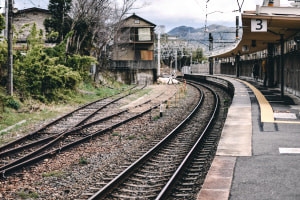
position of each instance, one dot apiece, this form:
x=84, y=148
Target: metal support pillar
x=211, y=66
x=270, y=65
x=176, y=64
x=237, y=65
x=158, y=54
x=282, y=64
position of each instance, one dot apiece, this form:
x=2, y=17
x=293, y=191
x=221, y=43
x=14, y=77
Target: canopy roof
x=277, y=23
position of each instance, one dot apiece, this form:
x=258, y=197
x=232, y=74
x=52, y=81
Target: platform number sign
x=259, y=25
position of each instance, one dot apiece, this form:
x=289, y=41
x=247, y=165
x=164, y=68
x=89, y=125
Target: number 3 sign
x=259, y=25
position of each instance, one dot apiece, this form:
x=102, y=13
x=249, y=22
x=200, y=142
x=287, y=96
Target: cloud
x=172, y=13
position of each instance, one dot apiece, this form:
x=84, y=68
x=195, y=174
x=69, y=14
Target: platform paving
x=272, y=169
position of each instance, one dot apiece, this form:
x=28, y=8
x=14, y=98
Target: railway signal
x=211, y=41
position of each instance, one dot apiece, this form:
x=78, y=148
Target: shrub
x=12, y=103
x=83, y=161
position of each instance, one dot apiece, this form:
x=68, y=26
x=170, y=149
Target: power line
x=240, y=5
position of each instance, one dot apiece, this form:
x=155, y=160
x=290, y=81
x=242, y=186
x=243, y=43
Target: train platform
x=258, y=156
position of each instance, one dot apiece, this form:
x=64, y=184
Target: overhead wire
x=240, y=5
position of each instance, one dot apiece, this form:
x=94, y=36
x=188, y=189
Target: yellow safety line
x=266, y=111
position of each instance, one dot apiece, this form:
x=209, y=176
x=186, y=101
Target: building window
x=136, y=21
x=144, y=34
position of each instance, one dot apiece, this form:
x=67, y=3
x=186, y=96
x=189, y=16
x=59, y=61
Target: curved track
x=154, y=174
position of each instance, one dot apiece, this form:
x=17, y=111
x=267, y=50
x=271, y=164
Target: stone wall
x=134, y=76
x=201, y=69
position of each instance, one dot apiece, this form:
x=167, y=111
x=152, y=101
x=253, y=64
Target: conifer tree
x=60, y=21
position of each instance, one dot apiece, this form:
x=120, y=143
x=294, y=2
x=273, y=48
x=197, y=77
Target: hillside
x=223, y=36
x=219, y=32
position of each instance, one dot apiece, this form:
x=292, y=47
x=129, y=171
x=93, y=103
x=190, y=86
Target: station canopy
x=263, y=26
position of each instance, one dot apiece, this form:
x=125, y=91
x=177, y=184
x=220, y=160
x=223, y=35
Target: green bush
x=12, y=103
x=48, y=74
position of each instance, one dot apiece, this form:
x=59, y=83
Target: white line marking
x=289, y=150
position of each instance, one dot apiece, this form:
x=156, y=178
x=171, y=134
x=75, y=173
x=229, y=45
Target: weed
x=3, y=133
x=143, y=138
x=53, y=174
x=38, y=183
x=131, y=137
x=156, y=117
x=28, y=195
x=226, y=101
x=83, y=161
x=115, y=134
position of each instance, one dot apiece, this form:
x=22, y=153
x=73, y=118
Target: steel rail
x=14, y=150
x=54, y=140
x=170, y=184
x=101, y=194
x=55, y=121
x=31, y=160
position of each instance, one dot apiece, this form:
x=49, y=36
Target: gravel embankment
x=72, y=173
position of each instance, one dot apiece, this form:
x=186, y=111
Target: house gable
x=136, y=21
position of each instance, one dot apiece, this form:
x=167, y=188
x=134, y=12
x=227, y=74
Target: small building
x=132, y=60
x=30, y=16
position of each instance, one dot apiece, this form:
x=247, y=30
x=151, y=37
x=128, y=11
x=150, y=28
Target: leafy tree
x=35, y=37
x=48, y=74
x=3, y=59
x=3, y=50
x=2, y=23
x=198, y=55
x=60, y=21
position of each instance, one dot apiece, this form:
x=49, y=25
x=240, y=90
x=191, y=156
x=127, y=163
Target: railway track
x=31, y=147
x=154, y=174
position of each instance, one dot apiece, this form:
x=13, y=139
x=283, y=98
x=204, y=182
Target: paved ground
x=266, y=173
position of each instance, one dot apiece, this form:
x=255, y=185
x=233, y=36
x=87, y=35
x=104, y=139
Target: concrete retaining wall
x=201, y=69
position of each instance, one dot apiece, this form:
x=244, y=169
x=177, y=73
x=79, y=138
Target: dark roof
x=134, y=15
x=34, y=9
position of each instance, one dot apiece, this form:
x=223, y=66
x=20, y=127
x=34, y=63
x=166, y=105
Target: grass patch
x=131, y=137
x=35, y=112
x=53, y=174
x=115, y=134
x=28, y=195
x=143, y=138
x=139, y=94
x=104, y=92
x=83, y=161
x=144, y=92
x=156, y=117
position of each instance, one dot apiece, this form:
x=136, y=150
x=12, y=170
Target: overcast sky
x=173, y=13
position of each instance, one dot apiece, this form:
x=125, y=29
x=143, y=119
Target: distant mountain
x=182, y=31
x=219, y=31
x=222, y=35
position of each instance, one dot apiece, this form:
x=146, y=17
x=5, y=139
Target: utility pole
x=175, y=61
x=237, y=27
x=10, y=48
x=158, y=54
